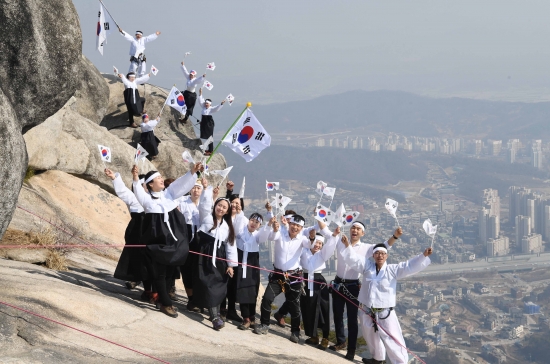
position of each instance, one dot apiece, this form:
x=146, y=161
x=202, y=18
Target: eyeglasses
x=380, y=253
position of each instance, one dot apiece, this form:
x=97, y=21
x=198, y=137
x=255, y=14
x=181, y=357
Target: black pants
x=248, y=310
x=163, y=282
x=190, y=100
x=230, y=300
x=338, y=304
x=292, y=300
x=131, y=112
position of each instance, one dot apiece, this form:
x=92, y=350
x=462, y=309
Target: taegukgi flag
x=104, y=24
x=140, y=153
x=154, y=70
x=248, y=137
x=211, y=66
x=104, y=152
x=176, y=101
x=271, y=186
x=208, y=85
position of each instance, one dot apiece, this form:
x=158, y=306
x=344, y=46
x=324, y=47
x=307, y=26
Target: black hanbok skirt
x=315, y=309
x=209, y=282
x=161, y=246
x=189, y=269
x=248, y=288
x=130, y=265
x=136, y=108
x=150, y=142
x=207, y=126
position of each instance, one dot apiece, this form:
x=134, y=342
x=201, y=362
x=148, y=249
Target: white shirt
x=137, y=46
x=315, y=263
x=220, y=233
x=191, y=83
x=150, y=125
x=288, y=250
x=349, y=266
x=208, y=110
x=379, y=291
x=126, y=195
x=189, y=210
x=250, y=242
x=133, y=85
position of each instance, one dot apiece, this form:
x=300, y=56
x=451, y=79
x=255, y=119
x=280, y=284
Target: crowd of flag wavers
x=187, y=231
x=176, y=219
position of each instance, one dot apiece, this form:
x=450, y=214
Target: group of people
x=175, y=217
x=135, y=104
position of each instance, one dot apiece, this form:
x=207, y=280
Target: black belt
x=290, y=272
x=346, y=281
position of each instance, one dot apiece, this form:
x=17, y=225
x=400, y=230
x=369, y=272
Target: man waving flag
x=104, y=27
x=248, y=137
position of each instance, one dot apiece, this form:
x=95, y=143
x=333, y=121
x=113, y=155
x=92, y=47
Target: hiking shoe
x=261, y=329
x=133, y=125
x=350, y=355
x=169, y=311
x=294, y=337
x=218, y=324
x=314, y=340
x=338, y=347
x=323, y=345
x=234, y=316
x=191, y=307
x=279, y=319
x=131, y=285
x=245, y=325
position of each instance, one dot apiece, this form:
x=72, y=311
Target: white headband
x=153, y=176
x=292, y=221
x=139, y=32
x=198, y=184
x=288, y=216
x=359, y=225
x=320, y=238
x=382, y=249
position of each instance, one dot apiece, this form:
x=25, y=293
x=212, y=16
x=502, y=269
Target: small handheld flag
x=323, y=214
x=224, y=172
x=211, y=66
x=208, y=85
x=230, y=98
x=187, y=158
x=154, y=70
x=140, y=153
x=115, y=70
x=271, y=186
x=204, y=146
x=349, y=218
x=391, y=206
x=320, y=188
x=329, y=191
x=281, y=202
x=430, y=229
x=186, y=54
x=105, y=153
x=241, y=192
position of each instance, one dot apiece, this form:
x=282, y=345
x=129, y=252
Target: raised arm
x=201, y=99
x=181, y=186
x=197, y=80
x=217, y=108
x=184, y=70
x=127, y=36
x=151, y=37
x=411, y=266
x=142, y=197
x=262, y=235
x=143, y=79
x=240, y=223
x=124, y=192
x=124, y=80
x=206, y=203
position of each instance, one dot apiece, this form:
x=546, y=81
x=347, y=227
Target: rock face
x=68, y=142
x=76, y=205
x=39, y=58
x=92, y=95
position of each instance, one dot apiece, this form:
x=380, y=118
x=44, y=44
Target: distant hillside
x=409, y=114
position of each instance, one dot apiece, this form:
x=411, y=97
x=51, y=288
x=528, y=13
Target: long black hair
x=226, y=218
x=236, y=196
x=149, y=174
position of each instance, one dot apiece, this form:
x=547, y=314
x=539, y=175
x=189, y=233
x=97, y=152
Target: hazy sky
x=277, y=51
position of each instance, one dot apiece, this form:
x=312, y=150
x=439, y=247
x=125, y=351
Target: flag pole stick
x=161, y=110
x=331, y=202
x=107, y=10
x=228, y=130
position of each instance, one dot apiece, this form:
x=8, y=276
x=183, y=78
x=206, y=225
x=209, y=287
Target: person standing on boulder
x=207, y=122
x=137, y=49
x=189, y=94
x=134, y=103
x=164, y=229
x=148, y=139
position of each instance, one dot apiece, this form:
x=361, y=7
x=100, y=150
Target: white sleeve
x=207, y=223
x=263, y=234
x=216, y=108
x=205, y=204
x=269, y=215
x=143, y=197
x=328, y=248
x=201, y=101
x=232, y=254
x=153, y=123
x=150, y=38
x=240, y=223
x=124, y=192
x=142, y=80
x=353, y=260
x=181, y=186
x=185, y=72
x=125, y=81
x=197, y=80
x=127, y=36
x=411, y=266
